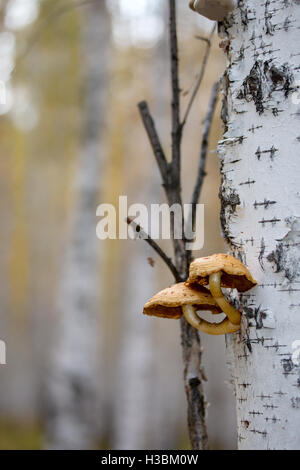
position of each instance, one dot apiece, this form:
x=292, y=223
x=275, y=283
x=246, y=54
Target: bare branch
x=201, y=75
x=144, y=236
x=203, y=154
x=193, y=380
x=154, y=141
x=171, y=174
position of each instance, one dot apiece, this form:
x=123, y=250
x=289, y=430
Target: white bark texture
x=260, y=215
x=74, y=376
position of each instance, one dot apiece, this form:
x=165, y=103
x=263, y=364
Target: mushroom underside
x=163, y=311
x=241, y=283
x=175, y=312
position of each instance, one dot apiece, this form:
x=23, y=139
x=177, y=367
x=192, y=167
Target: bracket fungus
x=181, y=299
x=214, y=10
x=221, y=270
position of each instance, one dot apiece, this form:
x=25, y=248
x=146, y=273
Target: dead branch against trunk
x=171, y=180
x=143, y=235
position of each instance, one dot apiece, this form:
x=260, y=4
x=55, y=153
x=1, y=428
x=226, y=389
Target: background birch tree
x=260, y=215
x=73, y=379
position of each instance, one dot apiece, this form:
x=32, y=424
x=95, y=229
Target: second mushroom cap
x=234, y=274
x=181, y=299
x=168, y=302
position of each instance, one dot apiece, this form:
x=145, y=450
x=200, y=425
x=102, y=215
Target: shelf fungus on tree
x=215, y=10
x=221, y=270
x=181, y=299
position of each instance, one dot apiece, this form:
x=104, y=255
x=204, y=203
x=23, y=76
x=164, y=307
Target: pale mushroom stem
x=221, y=328
x=191, y=5
x=215, y=288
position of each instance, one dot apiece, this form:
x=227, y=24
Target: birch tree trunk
x=72, y=384
x=260, y=215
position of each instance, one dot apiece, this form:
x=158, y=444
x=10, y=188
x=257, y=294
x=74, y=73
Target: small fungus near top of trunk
x=221, y=270
x=215, y=10
x=181, y=299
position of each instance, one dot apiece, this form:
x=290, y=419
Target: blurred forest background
x=104, y=376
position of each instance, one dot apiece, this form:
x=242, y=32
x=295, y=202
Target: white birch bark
x=260, y=215
x=73, y=379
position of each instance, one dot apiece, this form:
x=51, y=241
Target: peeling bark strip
x=260, y=215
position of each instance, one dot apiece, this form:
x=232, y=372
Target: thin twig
x=175, y=177
x=201, y=75
x=176, y=127
x=203, y=155
x=154, y=141
x=143, y=235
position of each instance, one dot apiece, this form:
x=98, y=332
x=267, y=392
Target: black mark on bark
x=261, y=253
x=295, y=402
x=286, y=255
x=287, y=365
x=256, y=314
x=229, y=201
x=265, y=78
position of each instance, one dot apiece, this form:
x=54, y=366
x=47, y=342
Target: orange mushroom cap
x=168, y=302
x=234, y=274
